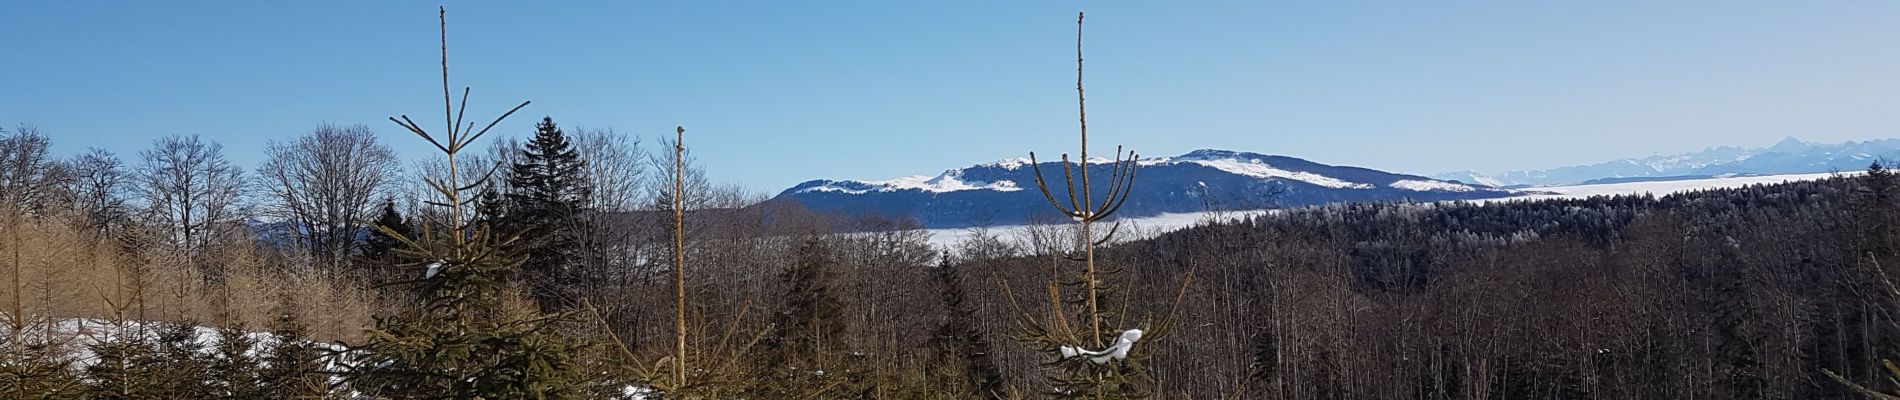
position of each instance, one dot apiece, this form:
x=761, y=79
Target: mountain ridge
x=1003, y=192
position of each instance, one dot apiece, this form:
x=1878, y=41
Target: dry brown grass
x=66, y=273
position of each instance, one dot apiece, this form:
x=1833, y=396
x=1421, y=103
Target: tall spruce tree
x=469, y=339
x=959, y=339
x=800, y=355
x=811, y=316
x=547, y=192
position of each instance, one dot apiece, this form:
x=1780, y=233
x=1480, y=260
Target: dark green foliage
x=236, y=367
x=961, y=342
x=123, y=369
x=464, y=343
x=1737, y=358
x=492, y=210
x=419, y=358
x=181, y=354
x=547, y=191
x=294, y=367
x=38, y=371
x=810, y=320
x=173, y=361
x=1266, y=357
x=164, y=361
x=469, y=339
x=379, y=248
x=801, y=354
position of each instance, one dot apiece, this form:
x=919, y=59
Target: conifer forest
x=526, y=258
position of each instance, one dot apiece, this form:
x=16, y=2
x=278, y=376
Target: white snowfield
x=1170, y=222
x=1258, y=169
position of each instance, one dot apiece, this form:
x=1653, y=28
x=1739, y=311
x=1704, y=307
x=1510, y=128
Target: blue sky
x=774, y=93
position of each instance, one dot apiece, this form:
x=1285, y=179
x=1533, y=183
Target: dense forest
x=548, y=262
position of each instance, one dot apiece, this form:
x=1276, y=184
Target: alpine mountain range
x=1789, y=156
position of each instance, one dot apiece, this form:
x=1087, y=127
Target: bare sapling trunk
x=679, y=258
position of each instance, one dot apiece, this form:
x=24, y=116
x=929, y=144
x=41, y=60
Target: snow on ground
x=77, y=336
x=1171, y=222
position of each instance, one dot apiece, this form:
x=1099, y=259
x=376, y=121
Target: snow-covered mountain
x=1004, y=192
x=1790, y=156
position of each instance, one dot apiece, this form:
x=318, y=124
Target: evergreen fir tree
x=811, y=316
x=38, y=371
x=235, y=367
x=470, y=339
x=799, y=354
x=959, y=337
x=379, y=248
x=294, y=367
x=120, y=371
x=179, y=353
x=1740, y=368
x=492, y=210
x=547, y=192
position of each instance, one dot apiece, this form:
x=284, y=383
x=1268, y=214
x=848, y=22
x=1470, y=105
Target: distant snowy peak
x=1788, y=156
x=949, y=181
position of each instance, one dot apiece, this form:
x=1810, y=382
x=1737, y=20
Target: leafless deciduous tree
x=99, y=189
x=189, y=188
x=615, y=168
x=700, y=192
x=325, y=184
x=26, y=176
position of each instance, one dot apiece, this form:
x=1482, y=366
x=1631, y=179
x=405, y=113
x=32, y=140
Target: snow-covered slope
x=1004, y=192
x=1175, y=221
x=1790, y=156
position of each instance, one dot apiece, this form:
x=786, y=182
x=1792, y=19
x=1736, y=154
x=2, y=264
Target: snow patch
x=1258, y=169
x=1430, y=186
x=1011, y=163
x=1116, y=351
